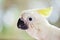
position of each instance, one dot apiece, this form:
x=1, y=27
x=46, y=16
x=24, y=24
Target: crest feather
x=45, y=12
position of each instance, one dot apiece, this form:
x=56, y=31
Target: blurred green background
x=10, y=12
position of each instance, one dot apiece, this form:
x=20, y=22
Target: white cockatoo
x=34, y=22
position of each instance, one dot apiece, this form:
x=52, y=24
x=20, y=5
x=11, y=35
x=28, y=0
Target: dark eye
x=30, y=19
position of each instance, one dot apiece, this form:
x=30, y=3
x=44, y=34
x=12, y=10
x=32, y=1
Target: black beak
x=21, y=24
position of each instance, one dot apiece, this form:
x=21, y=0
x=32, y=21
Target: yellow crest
x=45, y=12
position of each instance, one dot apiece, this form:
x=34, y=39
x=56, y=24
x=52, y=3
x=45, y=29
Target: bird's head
x=31, y=20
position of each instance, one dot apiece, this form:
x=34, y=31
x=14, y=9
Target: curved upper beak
x=21, y=24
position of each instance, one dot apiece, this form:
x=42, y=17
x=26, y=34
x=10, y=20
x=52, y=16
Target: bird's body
x=45, y=33
x=37, y=26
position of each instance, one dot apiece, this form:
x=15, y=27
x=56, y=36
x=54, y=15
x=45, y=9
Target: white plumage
x=39, y=28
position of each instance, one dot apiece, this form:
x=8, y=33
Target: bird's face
x=29, y=21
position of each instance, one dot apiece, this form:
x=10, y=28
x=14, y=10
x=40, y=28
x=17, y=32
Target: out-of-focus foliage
x=10, y=12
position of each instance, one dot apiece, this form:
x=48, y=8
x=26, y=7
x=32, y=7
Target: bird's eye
x=30, y=19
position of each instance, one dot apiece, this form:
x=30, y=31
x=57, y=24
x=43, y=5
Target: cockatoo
x=34, y=22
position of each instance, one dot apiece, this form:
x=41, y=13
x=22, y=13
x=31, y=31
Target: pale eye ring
x=30, y=19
